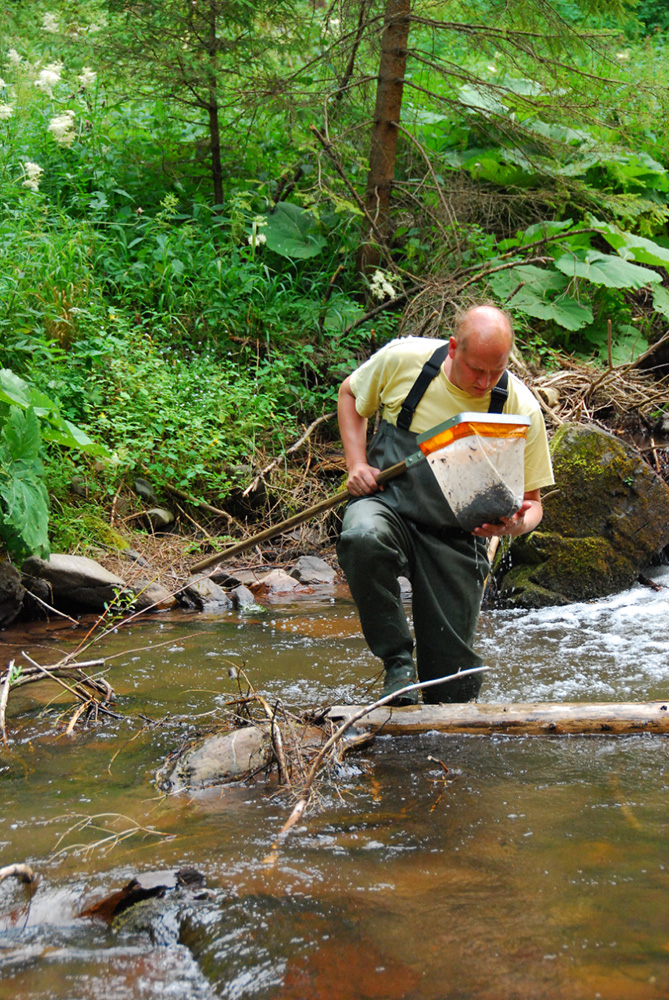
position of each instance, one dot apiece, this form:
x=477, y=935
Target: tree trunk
x=542, y=718
x=387, y=111
x=214, y=125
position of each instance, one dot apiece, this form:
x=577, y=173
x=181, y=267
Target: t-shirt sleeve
x=538, y=465
x=368, y=382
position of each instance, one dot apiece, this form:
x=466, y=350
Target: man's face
x=478, y=366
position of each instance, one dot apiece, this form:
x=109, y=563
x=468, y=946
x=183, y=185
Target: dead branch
x=307, y=789
x=4, y=696
x=94, y=693
x=23, y=873
x=199, y=503
x=289, y=451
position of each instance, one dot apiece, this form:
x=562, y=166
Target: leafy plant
x=24, y=514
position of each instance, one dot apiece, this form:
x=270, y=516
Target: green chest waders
x=409, y=530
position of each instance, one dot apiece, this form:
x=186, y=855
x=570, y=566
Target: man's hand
x=362, y=480
x=526, y=518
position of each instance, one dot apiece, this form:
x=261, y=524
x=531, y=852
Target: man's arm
x=353, y=429
x=524, y=520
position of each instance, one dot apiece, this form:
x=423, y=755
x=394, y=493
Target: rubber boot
x=400, y=671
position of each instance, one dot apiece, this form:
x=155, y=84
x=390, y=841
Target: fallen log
x=542, y=718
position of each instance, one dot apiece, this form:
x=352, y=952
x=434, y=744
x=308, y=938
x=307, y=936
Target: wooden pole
x=542, y=718
x=291, y=522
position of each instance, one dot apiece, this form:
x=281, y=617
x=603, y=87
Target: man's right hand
x=362, y=480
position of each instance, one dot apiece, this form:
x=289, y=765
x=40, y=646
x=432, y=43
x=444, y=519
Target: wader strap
x=429, y=371
x=498, y=394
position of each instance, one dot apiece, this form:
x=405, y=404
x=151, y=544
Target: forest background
x=211, y=211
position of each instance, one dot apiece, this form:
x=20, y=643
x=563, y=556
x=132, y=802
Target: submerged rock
x=231, y=756
x=604, y=522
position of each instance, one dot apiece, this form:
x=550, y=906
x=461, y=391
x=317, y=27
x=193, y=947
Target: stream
x=436, y=867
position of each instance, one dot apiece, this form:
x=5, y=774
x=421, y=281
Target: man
x=407, y=528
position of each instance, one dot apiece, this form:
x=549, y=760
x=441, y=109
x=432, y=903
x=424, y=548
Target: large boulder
x=76, y=581
x=606, y=519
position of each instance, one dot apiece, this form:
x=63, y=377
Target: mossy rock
x=548, y=569
x=603, y=523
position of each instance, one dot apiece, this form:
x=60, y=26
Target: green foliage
x=19, y=394
x=292, y=232
x=24, y=512
x=192, y=337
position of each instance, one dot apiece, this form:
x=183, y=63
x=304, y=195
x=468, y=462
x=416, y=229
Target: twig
x=277, y=740
x=50, y=608
x=327, y=146
x=76, y=715
x=501, y=267
x=4, y=697
x=23, y=873
x=289, y=451
x=199, y=503
x=303, y=801
x=49, y=674
x=194, y=522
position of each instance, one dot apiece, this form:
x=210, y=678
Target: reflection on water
x=533, y=867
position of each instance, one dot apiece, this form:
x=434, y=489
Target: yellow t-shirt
x=385, y=380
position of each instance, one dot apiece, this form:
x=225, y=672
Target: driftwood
x=542, y=718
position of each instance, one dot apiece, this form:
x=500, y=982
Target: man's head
x=479, y=349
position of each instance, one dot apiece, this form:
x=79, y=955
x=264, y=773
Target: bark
x=214, y=125
x=542, y=718
x=383, y=150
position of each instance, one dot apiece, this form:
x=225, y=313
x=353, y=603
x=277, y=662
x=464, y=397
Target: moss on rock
x=605, y=520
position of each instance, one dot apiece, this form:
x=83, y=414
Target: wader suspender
x=498, y=394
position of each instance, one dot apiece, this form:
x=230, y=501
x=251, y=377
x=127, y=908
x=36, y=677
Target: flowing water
x=438, y=867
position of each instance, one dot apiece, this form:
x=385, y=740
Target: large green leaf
x=21, y=435
x=605, y=269
x=637, y=248
x=24, y=514
x=292, y=232
x=661, y=300
x=536, y=298
x=539, y=280
x=564, y=310
x=481, y=99
x=15, y=392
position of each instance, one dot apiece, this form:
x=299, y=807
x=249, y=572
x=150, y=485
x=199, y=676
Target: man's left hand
x=526, y=518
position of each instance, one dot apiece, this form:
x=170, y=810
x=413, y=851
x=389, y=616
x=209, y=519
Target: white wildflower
x=49, y=77
x=6, y=112
x=14, y=57
x=2, y=83
x=87, y=77
x=492, y=68
x=255, y=239
x=50, y=23
x=380, y=287
x=34, y=173
x=62, y=128
x=622, y=56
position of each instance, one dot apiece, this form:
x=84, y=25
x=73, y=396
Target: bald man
x=407, y=528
